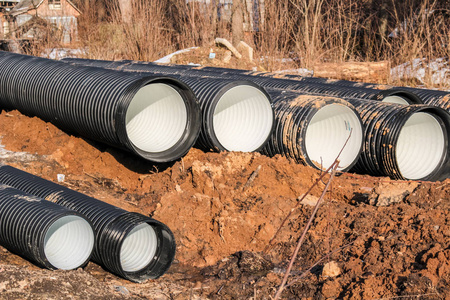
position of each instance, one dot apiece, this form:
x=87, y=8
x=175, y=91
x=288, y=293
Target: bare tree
x=125, y=9
x=237, y=21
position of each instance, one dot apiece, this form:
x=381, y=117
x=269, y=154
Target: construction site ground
x=372, y=237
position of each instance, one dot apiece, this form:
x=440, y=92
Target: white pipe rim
x=395, y=99
x=156, y=118
x=420, y=147
x=243, y=119
x=327, y=133
x=138, y=248
x=69, y=242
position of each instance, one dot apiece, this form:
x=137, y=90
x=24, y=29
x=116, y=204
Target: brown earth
x=372, y=238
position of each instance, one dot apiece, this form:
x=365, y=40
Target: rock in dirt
x=386, y=194
x=309, y=200
x=331, y=269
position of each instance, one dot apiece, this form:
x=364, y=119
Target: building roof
x=25, y=5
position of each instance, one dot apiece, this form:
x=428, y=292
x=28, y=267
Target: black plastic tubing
x=47, y=234
x=157, y=118
x=404, y=142
x=312, y=85
x=131, y=245
x=237, y=114
x=315, y=130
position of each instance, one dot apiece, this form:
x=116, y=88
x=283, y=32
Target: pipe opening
x=68, y=242
x=420, y=146
x=396, y=99
x=243, y=119
x=327, y=133
x=156, y=118
x=138, y=248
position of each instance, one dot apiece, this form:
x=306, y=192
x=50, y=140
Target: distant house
x=28, y=16
x=5, y=7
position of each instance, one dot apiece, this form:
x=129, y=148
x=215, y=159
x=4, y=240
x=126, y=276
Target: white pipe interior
x=243, y=119
x=68, y=242
x=138, y=248
x=420, y=146
x=156, y=118
x=327, y=133
x=395, y=99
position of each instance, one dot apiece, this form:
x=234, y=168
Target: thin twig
x=322, y=175
x=302, y=238
x=409, y=296
x=251, y=178
x=298, y=203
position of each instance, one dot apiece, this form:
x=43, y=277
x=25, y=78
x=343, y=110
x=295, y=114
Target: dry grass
x=311, y=31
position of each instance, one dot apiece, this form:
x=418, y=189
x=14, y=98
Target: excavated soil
x=372, y=238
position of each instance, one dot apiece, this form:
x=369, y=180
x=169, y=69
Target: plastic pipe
x=157, y=118
x=48, y=234
x=315, y=86
x=404, y=142
x=314, y=130
x=131, y=245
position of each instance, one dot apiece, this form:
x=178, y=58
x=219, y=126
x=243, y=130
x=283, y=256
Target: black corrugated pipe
x=48, y=234
x=265, y=80
x=237, y=114
x=157, y=118
x=432, y=97
x=314, y=129
x=128, y=244
x=404, y=142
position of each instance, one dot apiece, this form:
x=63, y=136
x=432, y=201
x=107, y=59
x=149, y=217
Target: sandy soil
x=372, y=237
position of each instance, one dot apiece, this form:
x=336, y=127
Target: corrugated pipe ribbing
x=128, y=244
x=237, y=114
x=157, y=118
x=48, y=234
x=404, y=142
x=266, y=80
x=315, y=129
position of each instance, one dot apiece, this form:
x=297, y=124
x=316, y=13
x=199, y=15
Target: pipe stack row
x=156, y=117
x=309, y=143
x=159, y=111
x=404, y=131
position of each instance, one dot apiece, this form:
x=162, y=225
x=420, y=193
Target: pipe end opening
x=69, y=242
x=396, y=99
x=156, y=118
x=421, y=146
x=243, y=119
x=139, y=248
x=327, y=134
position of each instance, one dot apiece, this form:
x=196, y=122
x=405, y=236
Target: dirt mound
x=383, y=238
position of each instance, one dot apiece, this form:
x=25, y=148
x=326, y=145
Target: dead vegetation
x=284, y=34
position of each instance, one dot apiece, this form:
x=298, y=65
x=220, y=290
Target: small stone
x=387, y=194
x=331, y=269
x=309, y=200
x=121, y=289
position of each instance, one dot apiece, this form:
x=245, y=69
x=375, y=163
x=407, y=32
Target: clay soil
x=372, y=238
